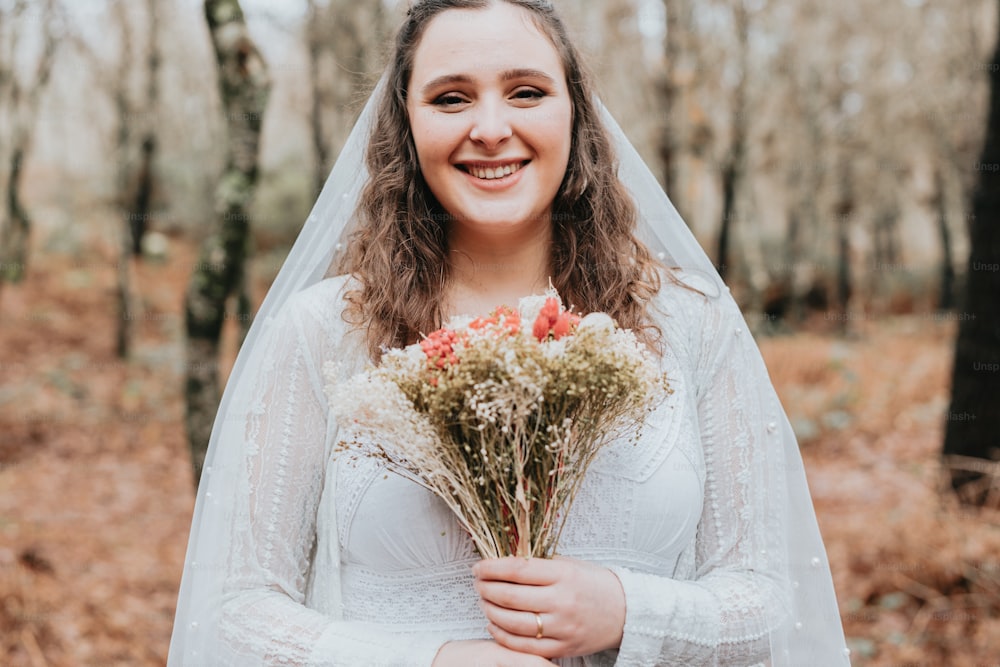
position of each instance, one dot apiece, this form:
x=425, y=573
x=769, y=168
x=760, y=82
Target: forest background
x=826, y=155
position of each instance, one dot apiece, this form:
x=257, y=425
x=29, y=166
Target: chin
x=503, y=223
x=480, y=214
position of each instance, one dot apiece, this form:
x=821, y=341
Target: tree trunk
x=142, y=200
x=734, y=168
x=123, y=279
x=343, y=39
x=15, y=226
x=314, y=49
x=219, y=274
x=844, y=282
x=729, y=177
x=672, y=145
x=972, y=431
x=17, y=230
x=885, y=256
x=785, y=306
x=810, y=275
x=946, y=297
x=136, y=179
x=124, y=303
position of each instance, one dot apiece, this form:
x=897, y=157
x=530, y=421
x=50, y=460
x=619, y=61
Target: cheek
x=556, y=129
x=432, y=137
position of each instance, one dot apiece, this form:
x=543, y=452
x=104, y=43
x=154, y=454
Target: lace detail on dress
x=438, y=600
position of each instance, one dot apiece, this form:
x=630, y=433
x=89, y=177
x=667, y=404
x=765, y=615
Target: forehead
x=479, y=42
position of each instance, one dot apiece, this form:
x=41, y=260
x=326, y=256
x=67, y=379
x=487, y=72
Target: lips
x=488, y=171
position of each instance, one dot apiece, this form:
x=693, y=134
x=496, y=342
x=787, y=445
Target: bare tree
x=955, y=143
x=117, y=84
x=972, y=433
x=842, y=116
x=314, y=49
x=946, y=295
x=219, y=275
x=134, y=143
x=141, y=202
x=734, y=164
x=844, y=213
x=677, y=76
x=799, y=277
x=20, y=101
x=343, y=41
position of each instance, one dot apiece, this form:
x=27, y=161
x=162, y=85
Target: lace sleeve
x=725, y=614
x=262, y=617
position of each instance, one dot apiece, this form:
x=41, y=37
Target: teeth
x=489, y=174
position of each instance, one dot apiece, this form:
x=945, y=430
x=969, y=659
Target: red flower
x=564, y=324
x=510, y=318
x=439, y=348
x=550, y=310
x=552, y=320
x=541, y=328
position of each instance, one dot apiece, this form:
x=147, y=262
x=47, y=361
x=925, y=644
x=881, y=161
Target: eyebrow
x=506, y=75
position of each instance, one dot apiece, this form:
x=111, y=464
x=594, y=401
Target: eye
x=528, y=94
x=449, y=100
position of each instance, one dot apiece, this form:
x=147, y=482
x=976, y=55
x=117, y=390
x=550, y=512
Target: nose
x=491, y=123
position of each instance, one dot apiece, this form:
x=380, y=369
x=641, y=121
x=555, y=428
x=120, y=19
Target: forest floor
x=96, y=491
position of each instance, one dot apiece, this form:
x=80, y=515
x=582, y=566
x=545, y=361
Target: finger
x=545, y=647
x=518, y=597
x=519, y=622
x=534, y=571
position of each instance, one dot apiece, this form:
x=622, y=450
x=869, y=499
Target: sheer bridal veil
x=811, y=633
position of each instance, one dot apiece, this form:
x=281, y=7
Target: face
x=491, y=117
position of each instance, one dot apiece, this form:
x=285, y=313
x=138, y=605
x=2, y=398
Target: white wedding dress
x=335, y=560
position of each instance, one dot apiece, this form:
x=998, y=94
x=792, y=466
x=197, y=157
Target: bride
x=489, y=171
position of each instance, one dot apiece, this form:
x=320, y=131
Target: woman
x=492, y=173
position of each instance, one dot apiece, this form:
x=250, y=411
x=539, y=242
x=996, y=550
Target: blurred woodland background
x=840, y=162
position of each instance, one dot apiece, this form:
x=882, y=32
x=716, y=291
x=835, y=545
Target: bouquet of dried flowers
x=499, y=421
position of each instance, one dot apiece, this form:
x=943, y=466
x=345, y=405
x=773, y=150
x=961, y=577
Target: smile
x=489, y=173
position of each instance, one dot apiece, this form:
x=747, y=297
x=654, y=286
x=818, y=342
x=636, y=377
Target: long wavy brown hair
x=399, y=251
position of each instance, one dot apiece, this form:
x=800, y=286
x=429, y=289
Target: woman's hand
x=484, y=653
x=577, y=607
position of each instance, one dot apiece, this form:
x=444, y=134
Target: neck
x=488, y=270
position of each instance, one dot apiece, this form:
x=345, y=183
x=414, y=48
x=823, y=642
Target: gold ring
x=541, y=631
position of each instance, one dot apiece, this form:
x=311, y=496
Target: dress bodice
x=304, y=557
x=405, y=561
